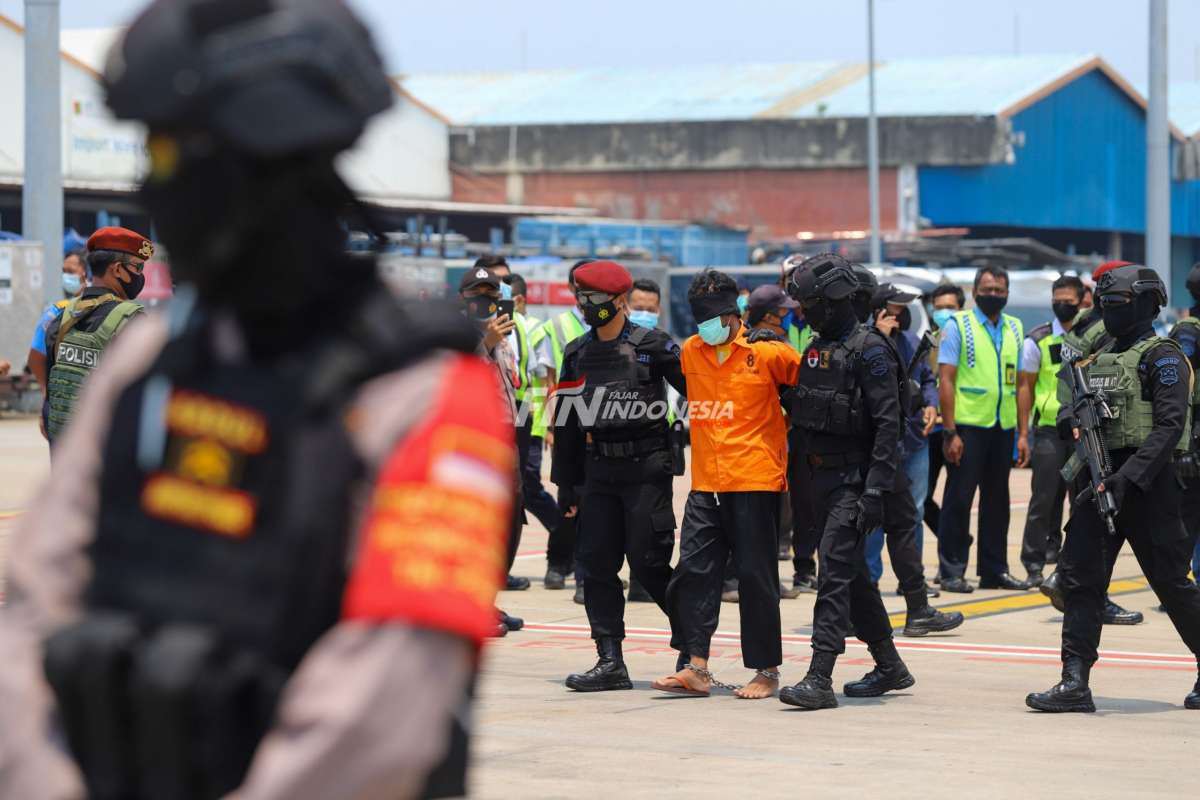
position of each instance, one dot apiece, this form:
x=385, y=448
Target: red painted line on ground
x=916, y=646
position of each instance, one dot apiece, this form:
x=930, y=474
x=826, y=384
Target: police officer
x=76, y=339
x=548, y=342
x=1041, y=361
x=1086, y=336
x=1187, y=333
x=901, y=519
x=848, y=403
x=611, y=437
x=1147, y=380
x=799, y=474
x=283, y=507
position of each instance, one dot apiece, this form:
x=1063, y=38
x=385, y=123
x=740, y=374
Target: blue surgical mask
x=941, y=316
x=505, y=291
x=713, y=331
x=71, y=284
x=647, y=319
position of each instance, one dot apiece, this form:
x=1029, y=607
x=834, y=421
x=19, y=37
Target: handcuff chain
x=712, y=679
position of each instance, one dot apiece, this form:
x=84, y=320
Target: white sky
x=477, y=34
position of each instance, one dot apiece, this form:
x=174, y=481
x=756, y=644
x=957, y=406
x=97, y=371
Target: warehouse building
x=1046, y=147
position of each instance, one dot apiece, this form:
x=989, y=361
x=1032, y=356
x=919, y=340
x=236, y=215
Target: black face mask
x=990, y=304
x=905, y=319
x=1065, y=311
x=133, y=287
x=480, y=308
x=827, y=317
x=598, y=315
x=1121, y=320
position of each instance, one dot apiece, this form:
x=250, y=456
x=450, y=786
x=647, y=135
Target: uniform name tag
x=77, y=356
x=1102, y=383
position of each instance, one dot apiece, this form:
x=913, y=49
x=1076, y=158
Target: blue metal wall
x=1083, y=166
x=683, y=244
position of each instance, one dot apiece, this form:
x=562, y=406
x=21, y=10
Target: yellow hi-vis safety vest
x=1045, y=391
x=986, y=387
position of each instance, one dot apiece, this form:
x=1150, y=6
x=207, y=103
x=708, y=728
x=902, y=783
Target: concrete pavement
x=963, y=730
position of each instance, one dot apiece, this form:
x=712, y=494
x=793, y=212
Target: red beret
x=121, y=240
x=604, y=276
x=1106, y=266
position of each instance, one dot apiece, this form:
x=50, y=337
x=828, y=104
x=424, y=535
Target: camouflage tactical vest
x=76, y=353
x=1116, y=374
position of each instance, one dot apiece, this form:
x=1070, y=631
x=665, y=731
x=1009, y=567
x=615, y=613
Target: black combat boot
x=889, y=673
x=1071, y=693
x=923, y=618
x=816, y=690
x=1052, y=588
x=1192, y=701
x=609, y=672
x=1115, y=615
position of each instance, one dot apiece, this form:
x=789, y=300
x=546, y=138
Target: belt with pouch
x=630, y=449
x=835, y=460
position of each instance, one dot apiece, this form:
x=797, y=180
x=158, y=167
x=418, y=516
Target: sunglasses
x=593, y=298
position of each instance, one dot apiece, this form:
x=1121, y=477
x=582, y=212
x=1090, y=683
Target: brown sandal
x=678, y=686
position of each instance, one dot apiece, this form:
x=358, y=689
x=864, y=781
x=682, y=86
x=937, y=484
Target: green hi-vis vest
x=562, y=330
x=799, y=339
x=1045, y=391
x=1193, y=322
x=523, y=379
x=1116, y=374
x=76, y=354
x=986, y=389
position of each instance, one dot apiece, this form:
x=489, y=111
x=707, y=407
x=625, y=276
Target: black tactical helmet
x=1193, y=282
x=825, y=276
x=1124, y=284
x=867, y=282
x=269, y=78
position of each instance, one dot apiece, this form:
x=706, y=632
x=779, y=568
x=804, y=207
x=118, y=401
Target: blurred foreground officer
x=284, y=507
x=1148, y=384
x=88, y=323
x=848, y=403
x=739, y=459
x=1187, y=333
x=611, y=436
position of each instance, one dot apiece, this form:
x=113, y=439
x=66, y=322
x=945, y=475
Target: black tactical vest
x=828, y=400
x=621, y=384
x=220, y=557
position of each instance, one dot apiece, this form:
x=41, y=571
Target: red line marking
x=959, y=648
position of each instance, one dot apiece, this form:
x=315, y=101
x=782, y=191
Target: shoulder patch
x=1041, y=331
x=877, y=360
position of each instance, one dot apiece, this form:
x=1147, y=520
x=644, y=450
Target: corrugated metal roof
x=970, y=85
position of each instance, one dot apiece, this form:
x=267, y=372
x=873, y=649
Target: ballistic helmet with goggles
x=268, y=78
x=867, y=282
x=1124, y=284
x=826, y=276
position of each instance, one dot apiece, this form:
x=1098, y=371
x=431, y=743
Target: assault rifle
x=1089, y=409
x=928, y=342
